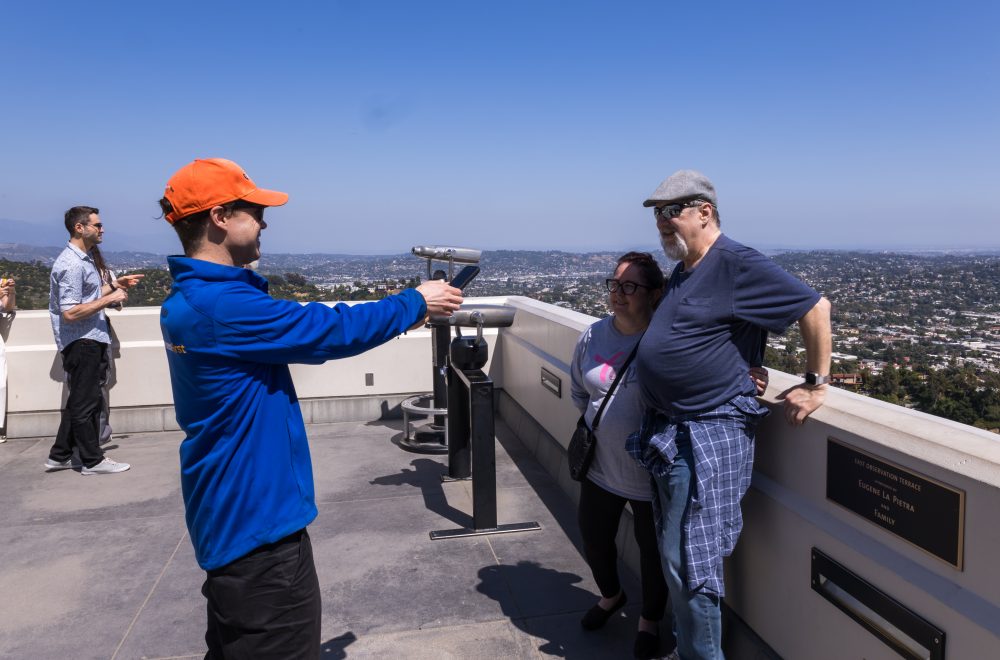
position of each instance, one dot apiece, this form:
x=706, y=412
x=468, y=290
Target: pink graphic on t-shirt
x=608, y=364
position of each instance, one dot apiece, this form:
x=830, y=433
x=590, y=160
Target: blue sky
x=534, y=125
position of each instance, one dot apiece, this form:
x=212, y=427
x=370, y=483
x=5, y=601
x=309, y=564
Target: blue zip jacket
x=246, y=474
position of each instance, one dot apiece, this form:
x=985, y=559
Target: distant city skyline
x=516, y=125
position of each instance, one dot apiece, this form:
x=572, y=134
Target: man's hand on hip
x=801, y=401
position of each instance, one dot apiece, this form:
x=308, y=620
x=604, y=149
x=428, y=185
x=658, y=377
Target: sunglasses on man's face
x=669, y=211
x=256, y=211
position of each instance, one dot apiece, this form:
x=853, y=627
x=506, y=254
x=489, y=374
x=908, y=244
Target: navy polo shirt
x=712, y=325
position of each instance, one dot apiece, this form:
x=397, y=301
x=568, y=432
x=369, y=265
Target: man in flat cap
x=697, y=435
x=246, y=474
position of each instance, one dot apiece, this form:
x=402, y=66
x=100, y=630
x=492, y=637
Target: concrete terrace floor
x=101, y=566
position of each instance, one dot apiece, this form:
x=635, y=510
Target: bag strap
x=614, y=384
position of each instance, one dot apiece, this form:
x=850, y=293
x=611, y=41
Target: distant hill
x=534, y=261
x=47, y=254
x=51, y=234
x=15, y=231
x=320, y=266
x=28, y=253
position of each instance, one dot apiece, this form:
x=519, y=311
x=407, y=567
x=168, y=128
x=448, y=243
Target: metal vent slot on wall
x=905, y=631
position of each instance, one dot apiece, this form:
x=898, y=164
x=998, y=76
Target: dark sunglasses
x=668, y=211
x=255, y=210
x=628, y=288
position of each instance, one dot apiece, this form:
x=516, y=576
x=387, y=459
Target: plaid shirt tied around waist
x=722, y=444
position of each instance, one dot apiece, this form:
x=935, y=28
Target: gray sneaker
x=68, y=464
x=107, y=466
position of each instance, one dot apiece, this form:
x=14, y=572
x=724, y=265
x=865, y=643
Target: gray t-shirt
x=600, y=350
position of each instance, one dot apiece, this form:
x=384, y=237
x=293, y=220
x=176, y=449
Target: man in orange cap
x=246, y=475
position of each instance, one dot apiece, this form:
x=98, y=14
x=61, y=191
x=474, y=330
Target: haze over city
x=519, y=125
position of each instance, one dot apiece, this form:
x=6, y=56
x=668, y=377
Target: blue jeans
x=697, y=616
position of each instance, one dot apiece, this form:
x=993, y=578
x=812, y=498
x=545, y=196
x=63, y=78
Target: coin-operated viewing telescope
x=429, y=438
x=463, y=394
x=453, y=255
x=473, y=352
x=471, y=431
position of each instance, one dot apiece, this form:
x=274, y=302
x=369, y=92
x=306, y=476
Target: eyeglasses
x=668, y=211
x=627, y=287
x=97, y=225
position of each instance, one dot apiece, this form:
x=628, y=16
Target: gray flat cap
x=683, y=184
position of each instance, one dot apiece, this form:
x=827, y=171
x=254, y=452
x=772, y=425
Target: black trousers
x=599, y=515
x=85, y=361
x=265, y=604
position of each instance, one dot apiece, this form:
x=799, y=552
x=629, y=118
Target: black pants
x=599, y=515
x=85, y=361
x=265, y=604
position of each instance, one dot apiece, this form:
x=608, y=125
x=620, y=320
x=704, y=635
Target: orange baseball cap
x=208, y=182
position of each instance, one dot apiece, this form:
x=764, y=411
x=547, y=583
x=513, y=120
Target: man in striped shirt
x=77, y=300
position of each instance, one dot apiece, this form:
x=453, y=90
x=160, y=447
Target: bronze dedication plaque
x=916, y=508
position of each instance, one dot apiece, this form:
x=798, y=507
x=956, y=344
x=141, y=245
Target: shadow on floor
x=334, y=648
x=426, y=475
x=512, y=585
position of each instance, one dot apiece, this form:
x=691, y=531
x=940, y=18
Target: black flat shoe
x=647, y=645
x=597, y=616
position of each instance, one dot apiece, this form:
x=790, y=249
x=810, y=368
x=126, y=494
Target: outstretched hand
x=801, y=401
x=129, y=281
x=441, y=298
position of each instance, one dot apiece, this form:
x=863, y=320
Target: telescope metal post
x=484, y=464
x=459, y=421
x=471, y=430
x=441, y=334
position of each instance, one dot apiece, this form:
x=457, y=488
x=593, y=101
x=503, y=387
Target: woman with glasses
x=614, y=478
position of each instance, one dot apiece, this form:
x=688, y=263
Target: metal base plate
x=446, y=479
x=499, y=529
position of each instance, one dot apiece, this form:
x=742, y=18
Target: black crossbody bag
x=580, y=452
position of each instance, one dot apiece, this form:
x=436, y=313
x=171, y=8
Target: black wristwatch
x=813, y=378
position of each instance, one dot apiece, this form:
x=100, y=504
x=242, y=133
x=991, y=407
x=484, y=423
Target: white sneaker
x=107, y=466
x=68, y=464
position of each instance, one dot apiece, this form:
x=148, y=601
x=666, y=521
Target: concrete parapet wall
x=543, y=336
